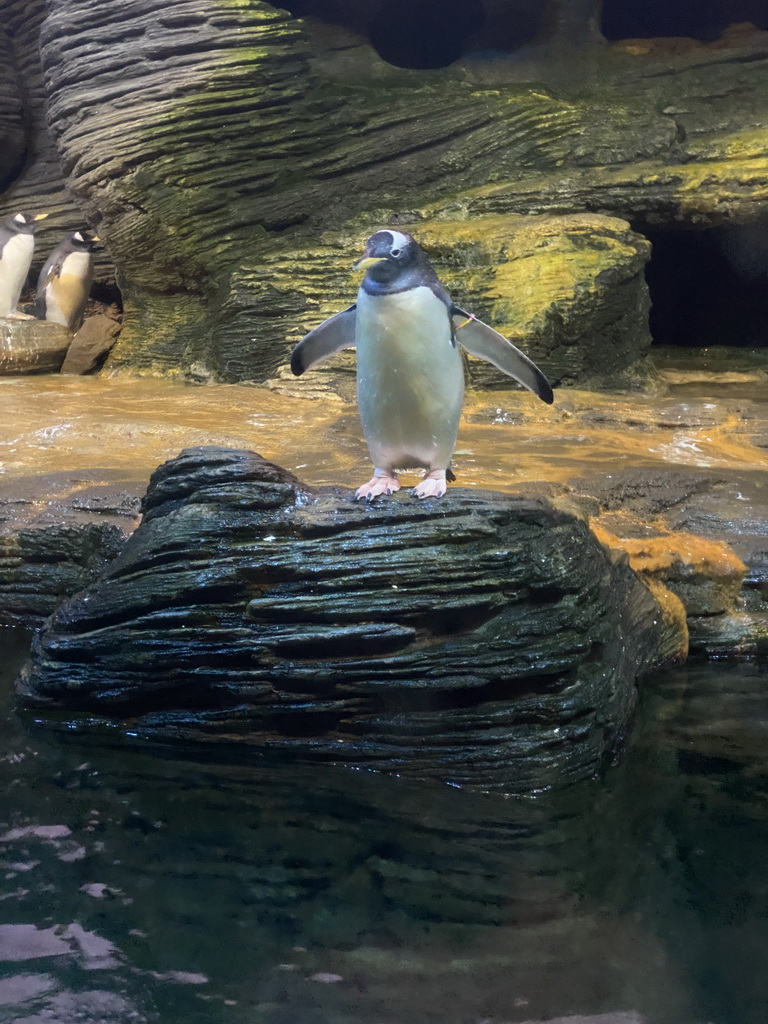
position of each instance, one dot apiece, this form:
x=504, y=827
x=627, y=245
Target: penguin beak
x=95, y=238
x=367, y=261
x=40, y=216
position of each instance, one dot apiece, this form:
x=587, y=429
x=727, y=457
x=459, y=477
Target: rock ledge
x=485, y=639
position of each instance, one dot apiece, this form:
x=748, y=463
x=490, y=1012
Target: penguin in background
x=17, y=246
x=65, y=281
x=410, y=375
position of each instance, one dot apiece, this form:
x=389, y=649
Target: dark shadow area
x=709, y=287
x=701, y=19
x=424, y=34
x=107, y=294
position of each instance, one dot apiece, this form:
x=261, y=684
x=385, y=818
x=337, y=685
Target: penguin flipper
x=50, y=272
x=481, y=340
x=333, y=334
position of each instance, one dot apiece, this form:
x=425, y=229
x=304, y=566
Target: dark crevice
x=698, y=19
x=425, y=34
x=107, y=294
x=188, y=696
x=708, y=286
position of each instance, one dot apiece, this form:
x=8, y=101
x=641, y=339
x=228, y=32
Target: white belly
x=14, y=267
x=410, y=379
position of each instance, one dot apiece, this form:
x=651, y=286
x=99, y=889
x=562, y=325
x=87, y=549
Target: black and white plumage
x=410, y=376
x=65, y=281
x=17, y=246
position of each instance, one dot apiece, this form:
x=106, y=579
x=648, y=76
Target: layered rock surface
x=489, y=640
x=229, y=152
x=39, y=186
x=58, y=532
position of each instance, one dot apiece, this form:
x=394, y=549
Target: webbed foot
x=432, y=486
x=382, y=482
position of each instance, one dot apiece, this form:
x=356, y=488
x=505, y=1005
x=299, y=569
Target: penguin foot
x=382, y=482
x=432, y=486
x=17, y=315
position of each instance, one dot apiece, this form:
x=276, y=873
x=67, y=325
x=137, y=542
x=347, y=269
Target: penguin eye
x=395, y=252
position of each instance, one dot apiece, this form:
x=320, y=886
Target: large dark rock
x=485, y=639
x=58, y=531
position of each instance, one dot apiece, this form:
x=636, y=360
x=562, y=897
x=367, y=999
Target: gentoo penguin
x=410, y=377
x=17, y=246
x=65, y=281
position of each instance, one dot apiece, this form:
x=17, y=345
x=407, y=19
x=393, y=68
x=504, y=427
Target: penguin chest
x=14, y=267
x=67, y=293
x=410, y=378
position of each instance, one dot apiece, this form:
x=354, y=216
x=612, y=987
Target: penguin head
x=83, y=241
x=389, y=256
x=23, y=223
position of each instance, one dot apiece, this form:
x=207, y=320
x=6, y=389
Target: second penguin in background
x=65, y=281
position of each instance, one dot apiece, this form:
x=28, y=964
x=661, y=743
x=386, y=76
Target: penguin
x=17, y=246
x=410, y=373
x=65, y=281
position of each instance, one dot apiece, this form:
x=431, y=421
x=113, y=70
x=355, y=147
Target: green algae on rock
x=568, y=290
x=232, y=144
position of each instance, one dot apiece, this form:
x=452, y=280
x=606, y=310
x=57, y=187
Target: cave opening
x=708, y=286
x=700, y=19
x=427, y=34
x=424, y=33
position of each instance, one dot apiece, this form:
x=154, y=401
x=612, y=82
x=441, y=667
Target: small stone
x=91, y=345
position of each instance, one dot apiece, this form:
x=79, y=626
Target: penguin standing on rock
x=17, y=246
x=65, y=281
x=410, y=376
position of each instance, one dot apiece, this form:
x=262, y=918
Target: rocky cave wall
x=233, y=157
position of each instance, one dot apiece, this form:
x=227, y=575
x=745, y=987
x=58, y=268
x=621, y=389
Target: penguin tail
x=450, y=476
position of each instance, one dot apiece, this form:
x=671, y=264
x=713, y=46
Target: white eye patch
x=79, y=236
x=399, y=240
x=20, y=218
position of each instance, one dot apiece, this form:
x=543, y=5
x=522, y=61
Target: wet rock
x=736, y=634
x=645, y=492
x=486, y=639
x=91, y=344
x=32, y=346
x=57, y=533
x=700, y=535
x=706, y=575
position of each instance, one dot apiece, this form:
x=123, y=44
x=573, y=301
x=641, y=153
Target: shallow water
x=143, y=888
x=707, y=418
x=137, y=887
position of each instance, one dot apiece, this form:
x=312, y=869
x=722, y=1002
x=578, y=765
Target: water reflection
x=139, y=888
